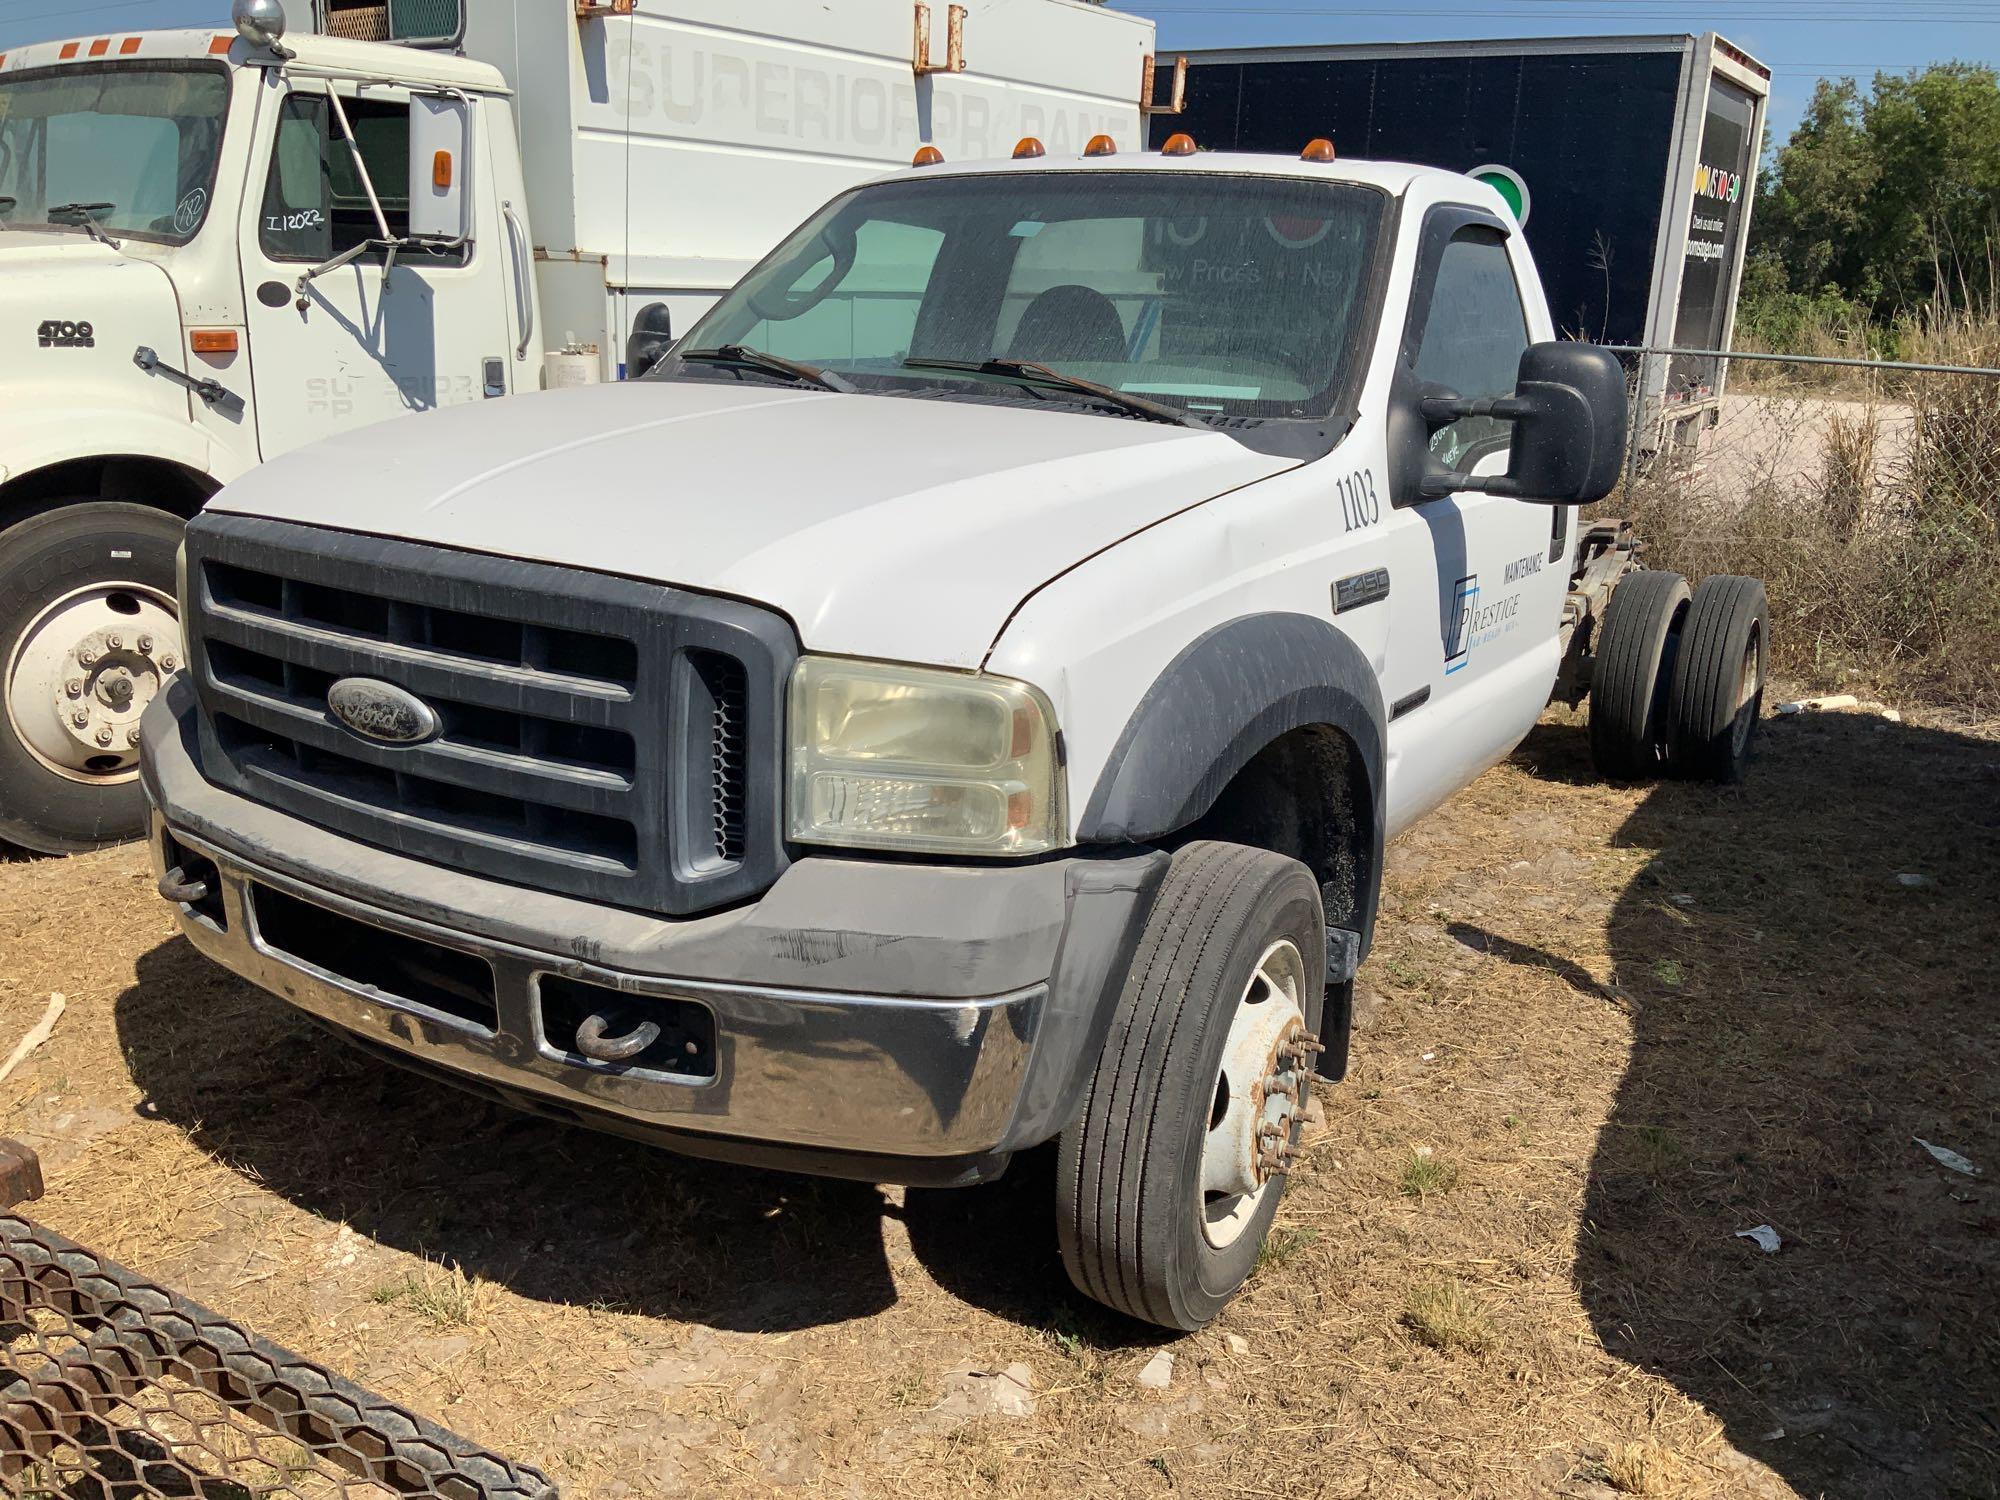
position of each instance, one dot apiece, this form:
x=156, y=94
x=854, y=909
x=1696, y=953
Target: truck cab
x=220, y=246
x=956, y=701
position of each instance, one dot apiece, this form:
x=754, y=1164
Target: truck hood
x=59, y=278
x=883, y=526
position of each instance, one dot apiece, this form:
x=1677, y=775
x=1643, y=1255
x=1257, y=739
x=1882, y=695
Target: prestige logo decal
x=1715, y=182
x=60, y=334
x=1472, y=623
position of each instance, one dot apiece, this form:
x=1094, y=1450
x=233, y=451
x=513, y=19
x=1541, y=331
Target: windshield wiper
x=771, y=364
x=1028, y=371
x=86, y=215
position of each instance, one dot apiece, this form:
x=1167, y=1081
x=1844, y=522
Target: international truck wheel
x=1718, y=686
x=1168, y=1181
x=1632, y=673
x=89, y=632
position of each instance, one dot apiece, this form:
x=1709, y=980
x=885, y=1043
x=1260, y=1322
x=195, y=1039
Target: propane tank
x=573, y=365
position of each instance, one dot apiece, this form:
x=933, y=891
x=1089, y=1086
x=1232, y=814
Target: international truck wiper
x=1031, y=373
x=774, y=364
x=86, y=215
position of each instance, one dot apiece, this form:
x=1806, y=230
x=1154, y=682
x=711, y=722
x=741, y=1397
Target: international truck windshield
x=129, y=149
x=1200, y=294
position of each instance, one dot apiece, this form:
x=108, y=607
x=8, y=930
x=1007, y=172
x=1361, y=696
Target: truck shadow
x=553, y=1213
x=1809, y=962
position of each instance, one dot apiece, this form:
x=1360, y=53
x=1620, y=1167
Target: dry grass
x=1635, y=1020
x=1643, y=1468
x=1445, y=1315
x=1874, y=518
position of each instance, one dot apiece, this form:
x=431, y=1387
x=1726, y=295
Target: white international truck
x=955, y=701
x=216, y=246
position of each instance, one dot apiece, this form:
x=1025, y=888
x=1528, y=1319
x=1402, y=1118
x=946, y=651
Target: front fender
x=67, y=433
x=1230, y=693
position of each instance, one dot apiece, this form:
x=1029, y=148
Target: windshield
x=1216, y=296
x=131, y=148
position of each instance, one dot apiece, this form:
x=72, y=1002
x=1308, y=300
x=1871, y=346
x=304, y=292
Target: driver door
x=363, y=347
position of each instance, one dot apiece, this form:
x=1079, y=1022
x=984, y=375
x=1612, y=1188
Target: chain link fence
x=112, y=1388
x=1865, y=492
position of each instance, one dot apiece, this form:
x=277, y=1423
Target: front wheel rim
x=81, y=675
x=1259, y=1090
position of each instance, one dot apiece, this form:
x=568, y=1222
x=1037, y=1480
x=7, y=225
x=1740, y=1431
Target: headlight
x=893, y=757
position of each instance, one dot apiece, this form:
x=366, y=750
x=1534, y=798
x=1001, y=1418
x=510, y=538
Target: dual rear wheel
x=1678, y=682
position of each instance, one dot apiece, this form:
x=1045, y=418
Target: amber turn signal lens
x=1180, y=143
x=927, y=156
x=1101, y=145
x=212, y=340
x=441, y=169
x=1028, y=148
x=1319, y=149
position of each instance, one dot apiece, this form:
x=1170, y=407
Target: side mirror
x=651, y=337
x=440, y=168
x=1569, y=414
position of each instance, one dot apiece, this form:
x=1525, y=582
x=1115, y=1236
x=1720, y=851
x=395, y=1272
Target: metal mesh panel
x=110, y=1386
x=425, y=20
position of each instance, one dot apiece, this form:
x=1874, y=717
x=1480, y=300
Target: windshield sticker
x=187, y=214
x=1296, y=233
x=57, y=334
x=1187, y=232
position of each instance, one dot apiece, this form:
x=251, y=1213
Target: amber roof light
x=927, y=156
x=1317, y=149
x=1180, y=143
x=1101, y=145
x=1028, y=148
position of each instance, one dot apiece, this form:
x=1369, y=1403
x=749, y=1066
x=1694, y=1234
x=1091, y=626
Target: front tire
x=1169, y=1180
x=88, y=635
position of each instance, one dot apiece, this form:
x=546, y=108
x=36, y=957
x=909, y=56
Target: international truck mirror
x=652, y=336
x=1568, y=413
x=440, y=168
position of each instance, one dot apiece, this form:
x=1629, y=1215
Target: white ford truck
x=955, y=701
x=219, y=246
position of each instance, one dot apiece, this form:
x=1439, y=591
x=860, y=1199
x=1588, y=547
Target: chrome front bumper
x=960, y=1012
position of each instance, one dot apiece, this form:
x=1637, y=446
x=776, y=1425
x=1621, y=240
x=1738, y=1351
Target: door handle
x=523, y=257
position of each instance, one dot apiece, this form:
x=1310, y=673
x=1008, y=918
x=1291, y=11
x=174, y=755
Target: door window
x=1473, y=333
x=315, y=203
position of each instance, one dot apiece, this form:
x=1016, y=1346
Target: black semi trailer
x=1634, y=158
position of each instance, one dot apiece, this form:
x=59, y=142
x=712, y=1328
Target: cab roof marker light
x=1101, y=145
x=219, y=44
x=68, y=51
x=129, y=46
x=101, y=46
x=1180, y=143
x=927, y=156
x=1028, y=148
x=1318, y=149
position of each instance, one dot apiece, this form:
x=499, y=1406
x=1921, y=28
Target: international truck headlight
x=894, y=757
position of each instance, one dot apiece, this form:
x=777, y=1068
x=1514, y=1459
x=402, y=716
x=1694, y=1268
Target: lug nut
x=74, y=687
x=86, y=654
x=80, y=719
x=145, y=645
x=167, y=662
x=114, y=641
x=132, y=736
x=104, y=737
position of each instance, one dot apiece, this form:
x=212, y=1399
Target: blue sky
x=1800, y=39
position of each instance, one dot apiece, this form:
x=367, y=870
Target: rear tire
x=1632, y=673
x=1193, y=1067
x=72, y=579
x=1718, y=686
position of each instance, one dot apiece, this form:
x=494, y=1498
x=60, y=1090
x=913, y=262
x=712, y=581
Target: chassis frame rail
x=114, y=1388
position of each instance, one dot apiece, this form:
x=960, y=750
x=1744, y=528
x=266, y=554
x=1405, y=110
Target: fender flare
x=1221, y=701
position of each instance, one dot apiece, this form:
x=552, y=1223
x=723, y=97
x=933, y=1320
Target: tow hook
x=595, y=1045
x=177, y=888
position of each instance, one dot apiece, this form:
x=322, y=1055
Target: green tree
x=1889, y=198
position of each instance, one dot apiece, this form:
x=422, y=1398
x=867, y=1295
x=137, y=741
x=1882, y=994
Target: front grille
x=599, y=737
x=408, y=969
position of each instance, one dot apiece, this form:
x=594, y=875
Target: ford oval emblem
x=382, y=712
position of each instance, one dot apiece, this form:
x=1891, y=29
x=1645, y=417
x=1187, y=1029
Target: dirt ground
x=1603, y=1031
